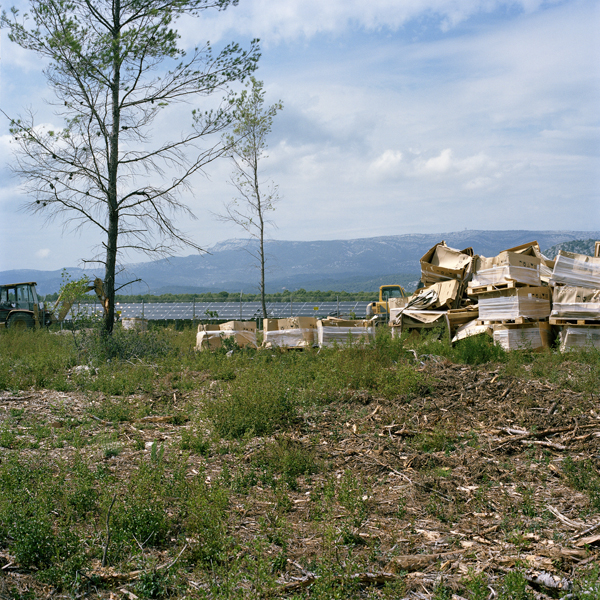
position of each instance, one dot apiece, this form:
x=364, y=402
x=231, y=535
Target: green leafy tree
x=113, y=65
x=252, y=123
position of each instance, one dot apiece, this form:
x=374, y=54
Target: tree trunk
x=113, y=167
x=262, y=236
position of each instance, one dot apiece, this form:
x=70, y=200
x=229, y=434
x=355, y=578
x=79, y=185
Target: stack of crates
x=512, y=301
x=576, y=299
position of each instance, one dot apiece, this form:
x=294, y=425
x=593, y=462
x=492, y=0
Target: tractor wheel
x=20, y=321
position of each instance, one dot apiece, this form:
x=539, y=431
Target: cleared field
x=398, y=470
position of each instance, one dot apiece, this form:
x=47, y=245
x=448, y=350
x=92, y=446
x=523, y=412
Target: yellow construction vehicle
x=381, y=308
x=63, y=306
x=20, y=307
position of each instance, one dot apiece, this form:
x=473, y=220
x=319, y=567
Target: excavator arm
x=97, y=286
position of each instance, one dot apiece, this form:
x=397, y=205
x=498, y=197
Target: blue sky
x=401, y=116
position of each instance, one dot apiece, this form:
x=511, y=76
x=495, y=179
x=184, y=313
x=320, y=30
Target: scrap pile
x=211, y=337
x=306, y=332
x=294, y=332
x=516, y=297
x=576, y=299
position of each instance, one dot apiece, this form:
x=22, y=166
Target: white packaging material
x=519, y=339
x=470, y=329
x=513, y=307
x=208, y=340
x=545, y=273
x=577, y=270
x=576, y=310
x=135, y=323
x=573, y=336
x=242, y=338
x=573, y=302
x=328, y=335
x=507, y=274
x=210, y=337
x=288, y=338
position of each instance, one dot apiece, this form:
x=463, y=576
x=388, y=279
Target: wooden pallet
x=586, y=322
x=495, y=287
x=517, y=321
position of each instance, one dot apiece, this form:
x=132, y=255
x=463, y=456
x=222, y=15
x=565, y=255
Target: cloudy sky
x=400, y=116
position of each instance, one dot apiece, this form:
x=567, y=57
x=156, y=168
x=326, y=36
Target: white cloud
x=275, y=21
x=388, y=163
x=43, y=253
x=438, y=164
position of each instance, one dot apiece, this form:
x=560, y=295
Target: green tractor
x=20, y=307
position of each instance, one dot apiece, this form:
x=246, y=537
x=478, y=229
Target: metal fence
x=230, y=311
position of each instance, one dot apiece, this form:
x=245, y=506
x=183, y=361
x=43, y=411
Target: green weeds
x=584, y=477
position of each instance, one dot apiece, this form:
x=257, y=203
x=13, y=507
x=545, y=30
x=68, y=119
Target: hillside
x=576, y=246
x=350, y=265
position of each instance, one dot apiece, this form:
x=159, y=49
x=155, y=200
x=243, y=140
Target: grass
x=264, y=449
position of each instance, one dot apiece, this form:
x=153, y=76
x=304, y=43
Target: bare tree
x=113, y=66
x=252, y=123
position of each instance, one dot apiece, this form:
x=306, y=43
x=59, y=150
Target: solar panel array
x=233, y=311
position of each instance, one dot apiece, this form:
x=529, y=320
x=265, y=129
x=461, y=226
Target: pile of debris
x=211, y=337
x=294, y=332
x=519, y=297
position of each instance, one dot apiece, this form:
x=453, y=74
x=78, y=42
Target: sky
x=400, y=116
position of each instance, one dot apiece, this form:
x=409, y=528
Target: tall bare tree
x=252, y=123
x=113, y=65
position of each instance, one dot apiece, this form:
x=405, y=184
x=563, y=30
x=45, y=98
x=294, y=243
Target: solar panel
x=229, y=311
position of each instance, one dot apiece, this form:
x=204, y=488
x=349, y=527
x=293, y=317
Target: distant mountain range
x=350, y=265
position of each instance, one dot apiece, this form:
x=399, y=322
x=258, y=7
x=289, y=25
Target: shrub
x=260, y=403
x=288, y=458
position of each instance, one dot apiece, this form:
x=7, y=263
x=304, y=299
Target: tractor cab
x=20, y=307
x=381, y=308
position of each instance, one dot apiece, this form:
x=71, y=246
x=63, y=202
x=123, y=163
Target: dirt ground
x=468, y=478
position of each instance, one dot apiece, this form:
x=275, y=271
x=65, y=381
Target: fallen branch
x=100, y=420
x=583, y=533
x=539, y=434
x=406, y=478
x=563, y=519
x=546, y=444
x=361, y=578
x=416, y=562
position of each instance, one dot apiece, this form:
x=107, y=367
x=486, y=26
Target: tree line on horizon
x=300, y=295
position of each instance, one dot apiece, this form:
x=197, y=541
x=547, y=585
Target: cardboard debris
x=398, y=302
x=576, y=270
x=570, y=302
x=293, y=332
x=528, y=336
x=461, y=316
x=338, y=331
x=533, y=249
x=210, y=337
x=444, y=294
x=505, y=305
x=506, y=268
x=469, y=329
x=576, y=336
x=441, y=263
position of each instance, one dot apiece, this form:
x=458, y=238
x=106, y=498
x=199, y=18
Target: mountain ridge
x=352, y=265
